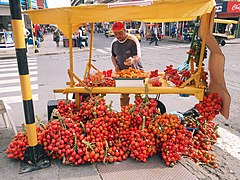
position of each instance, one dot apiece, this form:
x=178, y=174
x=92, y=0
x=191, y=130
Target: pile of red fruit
x=96, y=133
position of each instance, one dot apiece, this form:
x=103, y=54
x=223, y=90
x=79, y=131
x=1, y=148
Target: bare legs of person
x=124, y=99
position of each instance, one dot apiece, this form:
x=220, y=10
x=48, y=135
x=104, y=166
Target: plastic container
x=180, y=115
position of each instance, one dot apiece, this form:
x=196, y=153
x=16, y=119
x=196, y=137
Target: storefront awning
x=225, y=21
x=162, y=11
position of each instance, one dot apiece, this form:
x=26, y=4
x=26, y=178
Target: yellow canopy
x=225, y=21
x=160, y=10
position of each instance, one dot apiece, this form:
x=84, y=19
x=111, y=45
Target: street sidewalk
x=170, y=39
x=48, y=47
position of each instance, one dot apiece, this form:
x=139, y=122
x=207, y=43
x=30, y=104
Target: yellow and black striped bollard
x=34, y=157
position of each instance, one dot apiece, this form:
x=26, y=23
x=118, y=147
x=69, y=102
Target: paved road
x=49, y=72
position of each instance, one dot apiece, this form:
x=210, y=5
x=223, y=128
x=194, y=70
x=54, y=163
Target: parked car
x=135, y=32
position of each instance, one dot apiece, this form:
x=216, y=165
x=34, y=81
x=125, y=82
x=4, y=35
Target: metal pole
x=70, y=46
x=34, y=156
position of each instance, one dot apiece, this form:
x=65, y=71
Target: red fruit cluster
x=66, y=108
x=142, y=145
x=172, y=75
x=156, y=83
x=154, y=74
x=175, y=77
x=185, y=74
x=61, y=139
x=93, y=107
x=96, y=133
x=206, y=129
x=18, y=146
x=173, y=139
x=210, y=106
x=143, y=111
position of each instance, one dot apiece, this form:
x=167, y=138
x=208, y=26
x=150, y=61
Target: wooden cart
x=69, y=19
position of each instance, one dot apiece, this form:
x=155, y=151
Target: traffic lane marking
x=16, y=69
x=15, y=88
x=18, y=99
x=16, y=74
x=9, y=81
x=15, y=65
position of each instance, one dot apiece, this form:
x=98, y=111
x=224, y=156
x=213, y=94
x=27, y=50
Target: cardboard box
x=129, y=82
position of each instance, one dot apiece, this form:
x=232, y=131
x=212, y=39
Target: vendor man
x=126, y=52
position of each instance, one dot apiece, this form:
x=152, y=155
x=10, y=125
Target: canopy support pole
x=88, y=67
x=70, y=46
x=205, y=23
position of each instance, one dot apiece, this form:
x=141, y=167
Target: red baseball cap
x=117, y=26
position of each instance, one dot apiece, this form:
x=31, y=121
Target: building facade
x=229, y=10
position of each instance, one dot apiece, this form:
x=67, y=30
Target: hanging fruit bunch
x=175, y=77
x=210, y=106
x=195, y=51
x=173, y=138
x=142, y=139
x=206, y=129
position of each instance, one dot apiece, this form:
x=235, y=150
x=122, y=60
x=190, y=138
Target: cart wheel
x=161, y=106
x=223, y=42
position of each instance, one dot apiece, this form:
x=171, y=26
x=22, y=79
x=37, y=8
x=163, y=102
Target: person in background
x=185, y=32
x=126, y=52
x=84, y=36
x=36, y=33
x=80, y=37
x=174, y=31
x=154, y=33
x=26, y=34
x=56, y=35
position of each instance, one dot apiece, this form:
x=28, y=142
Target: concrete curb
x=11, y=55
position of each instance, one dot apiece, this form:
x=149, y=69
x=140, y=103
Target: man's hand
x=129, y=61
x=117, y=68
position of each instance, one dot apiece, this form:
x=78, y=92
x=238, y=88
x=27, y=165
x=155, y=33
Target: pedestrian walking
x=84, y=36
x=26, y=34
x=80, y=37
x=174, y=31
x=37, y=34
x=56, y=35
x=154, y=33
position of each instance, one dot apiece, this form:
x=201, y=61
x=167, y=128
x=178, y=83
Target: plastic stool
x=4, y=112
